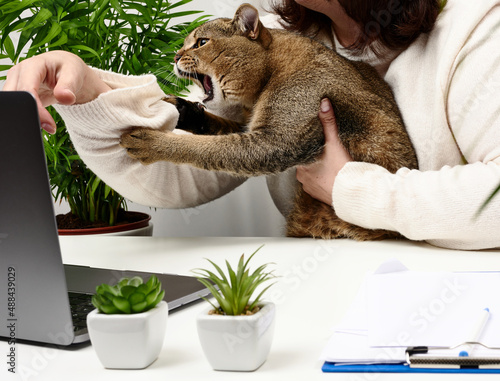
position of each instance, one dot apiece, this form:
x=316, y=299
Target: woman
x=446, y=84
x=442, y=78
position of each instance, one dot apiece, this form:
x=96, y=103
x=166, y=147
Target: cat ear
x=247, y=19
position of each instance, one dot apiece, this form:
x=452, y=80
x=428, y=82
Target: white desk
x=318, y=282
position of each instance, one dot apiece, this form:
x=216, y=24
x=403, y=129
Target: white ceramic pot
x=128, y=341
x=237, y=343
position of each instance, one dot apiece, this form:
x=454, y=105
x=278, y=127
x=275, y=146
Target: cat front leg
x=250, y=154
x=194, y=118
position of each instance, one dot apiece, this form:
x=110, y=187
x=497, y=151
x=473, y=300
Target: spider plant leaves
x=234, y=289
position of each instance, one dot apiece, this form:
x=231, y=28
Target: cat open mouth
x=207, y=85
x=202, y=80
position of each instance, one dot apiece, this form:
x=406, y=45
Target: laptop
x=35, y=286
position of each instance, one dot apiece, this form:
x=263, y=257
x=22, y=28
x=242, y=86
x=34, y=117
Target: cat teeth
x=208, y=86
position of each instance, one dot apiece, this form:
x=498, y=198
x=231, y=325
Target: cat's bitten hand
x=317, y=179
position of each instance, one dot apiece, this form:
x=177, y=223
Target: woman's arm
x=97, y=108
x=96, y=128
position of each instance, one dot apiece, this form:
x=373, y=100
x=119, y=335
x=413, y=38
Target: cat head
x=226, y=58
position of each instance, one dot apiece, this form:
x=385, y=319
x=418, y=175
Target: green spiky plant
x=128, y=296
x=236, y=288
x=123, y=36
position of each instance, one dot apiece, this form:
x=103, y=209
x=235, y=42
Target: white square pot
x=237, y=343
x=128, y=341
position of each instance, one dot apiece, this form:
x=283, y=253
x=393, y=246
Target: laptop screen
x=34, y=282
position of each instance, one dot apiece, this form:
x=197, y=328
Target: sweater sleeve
x=95, y=129
x=442, y=205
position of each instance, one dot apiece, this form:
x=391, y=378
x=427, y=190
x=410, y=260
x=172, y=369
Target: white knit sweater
x=447, y=85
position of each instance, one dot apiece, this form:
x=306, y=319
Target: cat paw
x=191, y=115
x=141, y=144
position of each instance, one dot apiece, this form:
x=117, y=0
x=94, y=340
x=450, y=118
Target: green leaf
x=103, y=288
x=39, y=18
x=158, y=299
x=139, y=307
x=122, y=304
x=183, y=14
x=136, y=281
x=117, y=6
x=13, y=6
x=143, y=288
x=127, y=291
x=257, y=300
x=177, y=4
x=8, y=47
x=211, y=288
x=219, y=270
x=63, y=39
x=86, y=49
x=55, y=29
x=136, y=298
x=77, y=15
x=109, y=309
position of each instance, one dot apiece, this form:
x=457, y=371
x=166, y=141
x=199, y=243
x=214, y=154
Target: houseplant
x=126, y=36
x=236, y=334
x=128, y=325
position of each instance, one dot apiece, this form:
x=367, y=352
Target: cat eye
x=200, y=43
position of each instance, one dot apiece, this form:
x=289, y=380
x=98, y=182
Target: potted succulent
x=128, y=326
x=126, y=36
x=236, y=333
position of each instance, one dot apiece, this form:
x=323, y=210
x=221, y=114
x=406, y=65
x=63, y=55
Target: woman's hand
x=318, y=178
x=55, y=77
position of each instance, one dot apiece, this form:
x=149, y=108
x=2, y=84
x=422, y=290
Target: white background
x=247, y=211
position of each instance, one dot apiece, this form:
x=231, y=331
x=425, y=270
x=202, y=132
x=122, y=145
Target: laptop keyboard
x=81, y=305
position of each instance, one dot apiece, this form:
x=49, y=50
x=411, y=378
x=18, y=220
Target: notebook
x=35, y=286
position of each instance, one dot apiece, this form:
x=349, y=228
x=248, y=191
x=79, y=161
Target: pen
x=476, y=332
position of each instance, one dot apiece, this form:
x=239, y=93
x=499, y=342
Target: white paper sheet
x=431, y=309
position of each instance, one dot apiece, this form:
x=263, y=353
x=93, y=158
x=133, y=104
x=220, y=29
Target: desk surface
x=319, y=280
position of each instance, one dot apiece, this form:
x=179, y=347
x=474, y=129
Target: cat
x=268, y=84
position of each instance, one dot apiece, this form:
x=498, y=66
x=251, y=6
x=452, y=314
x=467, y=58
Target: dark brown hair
x=393, y=23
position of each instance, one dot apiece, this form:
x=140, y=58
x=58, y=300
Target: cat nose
x=177, y=58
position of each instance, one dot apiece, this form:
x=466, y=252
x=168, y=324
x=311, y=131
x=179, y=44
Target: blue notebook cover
x=330, y=367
